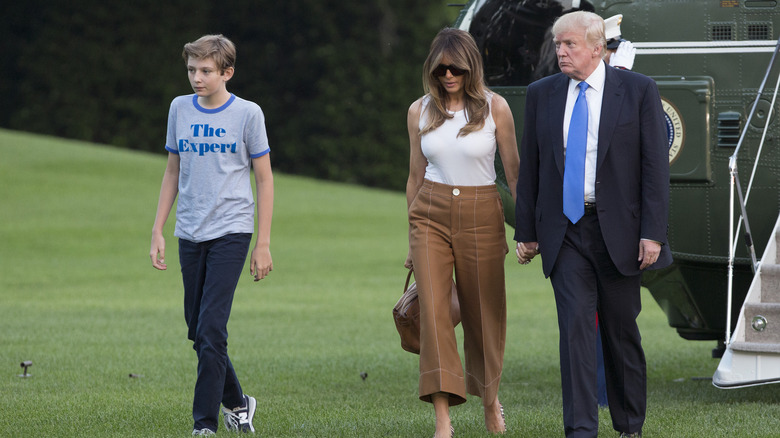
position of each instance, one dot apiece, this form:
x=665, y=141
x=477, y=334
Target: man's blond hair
x=592, y=24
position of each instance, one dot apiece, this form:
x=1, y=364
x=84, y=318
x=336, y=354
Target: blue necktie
x=574, y=170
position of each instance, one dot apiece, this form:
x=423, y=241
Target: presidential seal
x=675, y=130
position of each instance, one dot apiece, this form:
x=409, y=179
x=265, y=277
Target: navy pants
x=210, y=271
x=585, y=281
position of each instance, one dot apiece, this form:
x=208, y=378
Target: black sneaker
x=240, y=419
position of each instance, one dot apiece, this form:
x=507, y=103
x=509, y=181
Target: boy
x=214, y=139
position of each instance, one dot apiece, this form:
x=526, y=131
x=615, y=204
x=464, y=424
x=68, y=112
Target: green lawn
x=80, y=299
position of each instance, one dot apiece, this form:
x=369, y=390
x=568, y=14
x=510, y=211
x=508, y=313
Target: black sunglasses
x=441, y=70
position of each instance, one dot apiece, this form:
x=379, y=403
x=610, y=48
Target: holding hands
x=526, y=251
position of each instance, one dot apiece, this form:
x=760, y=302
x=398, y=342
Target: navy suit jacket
x=632, y=170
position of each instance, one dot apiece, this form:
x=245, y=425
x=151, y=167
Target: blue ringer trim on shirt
x=215, y=110
x=260, y=154
x=173, y=151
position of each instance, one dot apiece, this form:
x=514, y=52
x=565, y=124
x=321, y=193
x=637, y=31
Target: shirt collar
x=595, y=80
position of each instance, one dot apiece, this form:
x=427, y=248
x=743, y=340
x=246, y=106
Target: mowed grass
x=80, y=299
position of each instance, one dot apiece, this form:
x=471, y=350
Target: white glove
x=623, y=56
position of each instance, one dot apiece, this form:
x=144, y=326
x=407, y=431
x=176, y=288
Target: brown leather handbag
x=406, y=314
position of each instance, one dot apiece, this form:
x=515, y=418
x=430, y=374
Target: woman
x=456, y=223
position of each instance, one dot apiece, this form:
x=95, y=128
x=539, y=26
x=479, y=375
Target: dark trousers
x=210, y=271
x=601, y=379
x=586, y=281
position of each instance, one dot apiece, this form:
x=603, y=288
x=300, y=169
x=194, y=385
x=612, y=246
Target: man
x=594, y=201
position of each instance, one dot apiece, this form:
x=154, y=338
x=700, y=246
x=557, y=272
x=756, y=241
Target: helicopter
x=711, y=61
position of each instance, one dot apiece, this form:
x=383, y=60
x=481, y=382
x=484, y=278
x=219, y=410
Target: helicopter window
x=722, y=32
x=759, y=31
x=515, y=39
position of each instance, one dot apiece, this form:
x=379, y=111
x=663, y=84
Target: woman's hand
x=526, y=251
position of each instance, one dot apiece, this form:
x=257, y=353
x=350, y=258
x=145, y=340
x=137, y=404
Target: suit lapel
x=610, y=111
x=557, y=109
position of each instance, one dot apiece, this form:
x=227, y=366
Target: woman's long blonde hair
x=459, y=46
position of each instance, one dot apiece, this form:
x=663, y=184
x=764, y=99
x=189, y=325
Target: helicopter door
x=687, y=104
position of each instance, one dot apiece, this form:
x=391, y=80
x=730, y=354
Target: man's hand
x=649, y=250
x=526, y=251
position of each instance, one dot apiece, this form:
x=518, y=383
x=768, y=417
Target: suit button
x=455, y=192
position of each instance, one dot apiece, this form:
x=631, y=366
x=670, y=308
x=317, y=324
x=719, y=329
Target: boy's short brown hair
x=216, y=47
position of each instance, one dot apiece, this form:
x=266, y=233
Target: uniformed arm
x=507, y=141
x=417, y=161
x=168, y=191
x=623, y=56
x=260, y=262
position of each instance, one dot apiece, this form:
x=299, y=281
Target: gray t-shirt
x=216, y=148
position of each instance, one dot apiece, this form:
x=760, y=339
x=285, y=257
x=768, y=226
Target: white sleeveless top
x=464, y=161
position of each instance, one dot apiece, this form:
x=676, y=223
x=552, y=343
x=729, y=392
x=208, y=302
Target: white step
x=762, y=323
x=770, y=283
x=755, y=347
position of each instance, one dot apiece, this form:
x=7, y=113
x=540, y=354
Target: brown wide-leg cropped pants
x=460, y=229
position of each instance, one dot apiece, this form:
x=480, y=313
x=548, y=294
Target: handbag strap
x=408, y=277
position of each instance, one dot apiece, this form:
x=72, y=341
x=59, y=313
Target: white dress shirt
x=594, y=95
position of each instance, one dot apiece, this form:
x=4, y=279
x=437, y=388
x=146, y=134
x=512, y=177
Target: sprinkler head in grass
x=26, y=364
